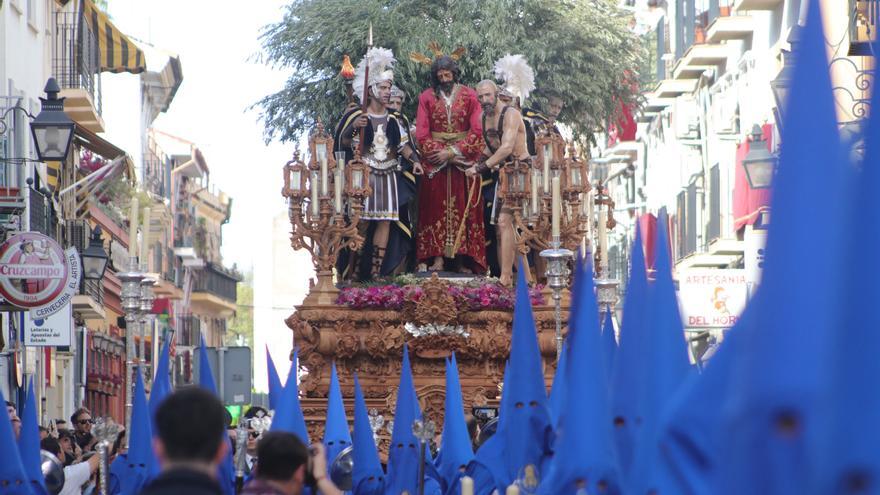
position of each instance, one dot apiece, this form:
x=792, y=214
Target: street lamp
x=759, y=163
x=52, y=128
x=94, y=258
x=782, y=82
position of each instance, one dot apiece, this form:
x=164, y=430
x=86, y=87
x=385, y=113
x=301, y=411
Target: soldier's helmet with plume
x=381, y=62
x=518, y=78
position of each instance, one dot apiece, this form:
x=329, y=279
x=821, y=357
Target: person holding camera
x=286, y=466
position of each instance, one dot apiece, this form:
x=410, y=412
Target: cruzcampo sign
x=36, y=274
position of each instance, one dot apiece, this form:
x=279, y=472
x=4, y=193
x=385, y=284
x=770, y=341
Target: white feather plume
x=518, y=77
x=381, y=64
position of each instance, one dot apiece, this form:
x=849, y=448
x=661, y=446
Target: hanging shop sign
x=36, y=274
x=711, y=298
x=54, y=330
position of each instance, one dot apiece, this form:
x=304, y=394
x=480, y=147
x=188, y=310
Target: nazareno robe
x=400, y=238
x=450, y=205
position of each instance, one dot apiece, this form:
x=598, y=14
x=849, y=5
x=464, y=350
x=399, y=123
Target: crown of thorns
x=434, y=47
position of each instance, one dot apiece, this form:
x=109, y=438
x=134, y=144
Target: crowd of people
x=189, y=453
x=434, y=203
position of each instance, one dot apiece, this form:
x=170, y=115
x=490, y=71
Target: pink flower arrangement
x=468, y=298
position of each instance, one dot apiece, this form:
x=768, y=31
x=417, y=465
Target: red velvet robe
x=444, y=206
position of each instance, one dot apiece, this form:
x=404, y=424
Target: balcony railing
x=93, y=289
x=43, y=218
x=214, y=279
x=76, y=57
x=189, y=331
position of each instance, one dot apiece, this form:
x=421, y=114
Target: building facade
x=720, y=71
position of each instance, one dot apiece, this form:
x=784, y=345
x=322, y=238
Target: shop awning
x=748, y=203
x=117, y=52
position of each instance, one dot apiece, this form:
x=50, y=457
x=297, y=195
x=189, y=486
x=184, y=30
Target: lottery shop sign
x=36, y=274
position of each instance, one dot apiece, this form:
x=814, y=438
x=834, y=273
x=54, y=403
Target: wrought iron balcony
x=865, y=15
x=75, y=64
x=216, y=280
x=189, y=330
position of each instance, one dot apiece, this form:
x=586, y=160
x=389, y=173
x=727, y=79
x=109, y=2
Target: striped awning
x=117, y=52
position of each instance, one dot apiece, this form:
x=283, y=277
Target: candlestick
x=467, y=485
x=322, y=158
x=145, y=235
x=316, y=205
x=546, y=168
x=132, y=226
x=556, y=209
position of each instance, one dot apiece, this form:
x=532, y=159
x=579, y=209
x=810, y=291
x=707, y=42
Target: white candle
x=546, y=168
x=337, y=192
x=145, y=236
x=467, y=485
x=536, y=201
x=556, y=208
x=322, y=157
x=316, y=205
x=339, y=180
x=132, y=226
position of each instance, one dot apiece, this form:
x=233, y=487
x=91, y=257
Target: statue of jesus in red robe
x=449, y=134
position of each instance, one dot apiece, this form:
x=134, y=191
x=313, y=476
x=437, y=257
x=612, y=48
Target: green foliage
x=243, y=322
x=580, y=49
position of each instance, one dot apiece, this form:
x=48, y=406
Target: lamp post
x=52, y=128
x=759, y=163
x=782, y=82
x=94, y=257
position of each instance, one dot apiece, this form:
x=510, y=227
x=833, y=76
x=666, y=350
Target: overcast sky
x=215, y=41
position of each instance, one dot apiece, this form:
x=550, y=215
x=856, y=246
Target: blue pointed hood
x=275, y=386
x=776, y=410
x=161, y=385
x=852, y=434
x=455, y=446
x=403, y=454
x=367, y=477
x=12, y=473
x=29, y=442
x=289, y=416
x=140, y=451
x=627, y=378
x=336, y=433
x=668, y=365
x=522, y=442
x=558, y=389
x=609, y=343
x=206, y=376
x=584, y=447
x=691, y=436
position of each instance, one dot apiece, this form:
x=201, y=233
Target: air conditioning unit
x=725, y=112
x=686, y=117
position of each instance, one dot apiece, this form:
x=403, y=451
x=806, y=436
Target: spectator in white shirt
x=75, y=475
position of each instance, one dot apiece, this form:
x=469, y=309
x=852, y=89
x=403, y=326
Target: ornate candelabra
x=557, y=279
x=529, y=192
x=606, y=288
x=131, y=304
x=325, y=204
x=106, y=431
